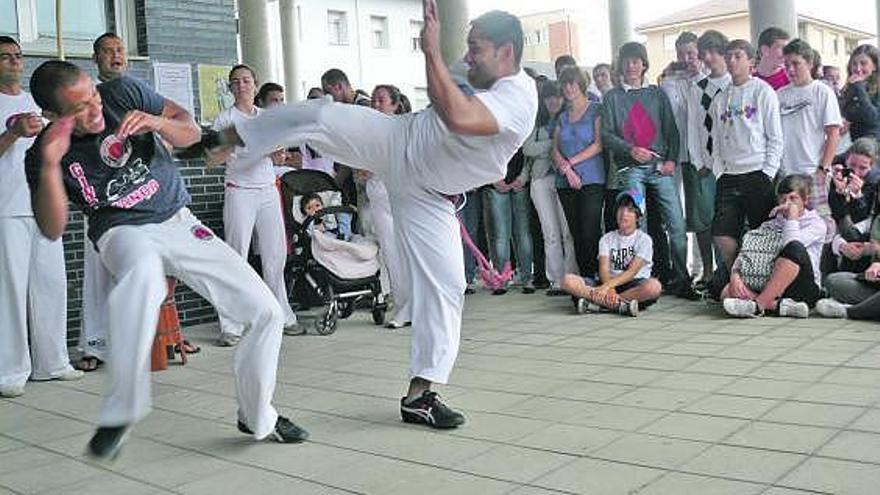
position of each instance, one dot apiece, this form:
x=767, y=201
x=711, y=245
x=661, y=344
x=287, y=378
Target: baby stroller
x=324, y=271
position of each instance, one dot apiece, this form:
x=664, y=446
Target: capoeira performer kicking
x=103, y=151
x=33, y=285
x=251, y=205
x=425, y=159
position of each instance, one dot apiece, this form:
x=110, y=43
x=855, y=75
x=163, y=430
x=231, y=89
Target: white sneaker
x=741, y=308
x=628, y=308
x=394, y=324
x=65, y=376
x=793, y=309
x=829, y=308
x=581, y=306
x=294, y=329
x=228, y=340
x=11, y=390
x=70, y=375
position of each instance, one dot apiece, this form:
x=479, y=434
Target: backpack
x=759, y=250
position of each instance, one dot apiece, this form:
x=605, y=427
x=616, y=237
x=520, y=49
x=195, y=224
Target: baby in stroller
x=334, y=271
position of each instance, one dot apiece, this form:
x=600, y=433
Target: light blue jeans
x=510, y=215
x=669, y=201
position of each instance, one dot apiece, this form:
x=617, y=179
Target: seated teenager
x=625, y=258
x=777, y=269
x=856, y=294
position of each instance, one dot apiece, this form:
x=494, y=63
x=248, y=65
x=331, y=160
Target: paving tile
x=791, y=372
x=727, y=405
x=688, y=484
x=514, y=464
x=764, y=388
x=695, y=427
x=870, y=421
x=112, y=484
x=854, y=446
x=47, y=477
x=651, y=451
x=775, y=436
x=807, y=414
x=840, y=394
x=627, y=376
x=658, y=398
x=722, y=366
x=853, y=377
x=569, y=439
x=693, y=381
x=599, y=477
x=615, y=417
x=242, y=479
x=744, y=464
x=834, y=476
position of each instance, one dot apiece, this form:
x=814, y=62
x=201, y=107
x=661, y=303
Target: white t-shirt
x=621, y=250
x=472, y=161
x=255, y=174
x=805, y=112
x=15, y=196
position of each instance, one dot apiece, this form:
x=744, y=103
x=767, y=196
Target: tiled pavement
x=678, y=401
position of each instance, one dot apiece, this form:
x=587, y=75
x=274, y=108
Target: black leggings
x=804, y=287
x=583, y=214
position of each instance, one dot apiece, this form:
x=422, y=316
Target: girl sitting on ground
x=777, y=269
x=625, y=258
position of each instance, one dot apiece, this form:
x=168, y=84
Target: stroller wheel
x=326, y=323
x=379, y=314
x=346, y=308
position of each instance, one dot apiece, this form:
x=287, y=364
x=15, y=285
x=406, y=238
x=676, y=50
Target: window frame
x=343, y=40
x=384, y=41
x=120, y=17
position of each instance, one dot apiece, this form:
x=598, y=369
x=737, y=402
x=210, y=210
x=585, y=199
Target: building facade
x=372, y=41
x=581, y=32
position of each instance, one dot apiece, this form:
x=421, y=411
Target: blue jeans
x=470, y=216
x=510, y=214
x=671, y=213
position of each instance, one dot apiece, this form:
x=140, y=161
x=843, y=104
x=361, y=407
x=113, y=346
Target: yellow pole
x=59, y=38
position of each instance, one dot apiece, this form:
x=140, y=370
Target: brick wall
x=193, y=32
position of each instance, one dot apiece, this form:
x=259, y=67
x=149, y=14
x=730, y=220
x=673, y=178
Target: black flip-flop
x=94, y=363
x=195, y=349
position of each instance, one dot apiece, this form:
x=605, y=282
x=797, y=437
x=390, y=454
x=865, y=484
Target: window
x=837, y=45
x=379, y=31
x=337, y=27
x=415, y=35
x=32, y=23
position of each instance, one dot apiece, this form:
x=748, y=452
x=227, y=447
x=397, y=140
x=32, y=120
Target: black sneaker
x=210, y=140
x=107, y=442
x=685, y=291
x=285, y=431
x=428, y=410
x=499, y=291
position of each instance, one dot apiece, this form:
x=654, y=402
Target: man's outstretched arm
x=461, y=113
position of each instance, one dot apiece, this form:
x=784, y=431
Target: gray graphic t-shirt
x=118, y=182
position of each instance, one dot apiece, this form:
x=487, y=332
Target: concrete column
x=878, y=20
x=254, y=32
x=290, y=37
x=453, y=29
x=766, y=13
x=620, y=24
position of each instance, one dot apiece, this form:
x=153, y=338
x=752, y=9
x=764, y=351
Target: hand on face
x=56, y=140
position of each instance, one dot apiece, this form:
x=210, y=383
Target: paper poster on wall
x=174, y=81
x=214, y=94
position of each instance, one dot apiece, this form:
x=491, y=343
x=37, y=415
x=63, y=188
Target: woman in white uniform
x=251, y=204
x=389, y=100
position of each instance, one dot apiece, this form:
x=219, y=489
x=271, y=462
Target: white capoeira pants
x=139, y=257
x=383, y=224
x=93, y=340
x=246, y=210
x=558, y=243
x=33, y=304
x=424, y=220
